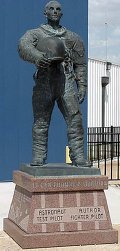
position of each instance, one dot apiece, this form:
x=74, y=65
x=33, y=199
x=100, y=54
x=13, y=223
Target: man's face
x=53, y=11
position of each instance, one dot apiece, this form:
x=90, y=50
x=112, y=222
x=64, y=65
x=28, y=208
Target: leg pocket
x=70, y=103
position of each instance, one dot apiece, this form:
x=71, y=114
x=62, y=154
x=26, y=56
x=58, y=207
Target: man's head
x=53, y=11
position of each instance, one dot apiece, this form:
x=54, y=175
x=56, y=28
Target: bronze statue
x=59, y=56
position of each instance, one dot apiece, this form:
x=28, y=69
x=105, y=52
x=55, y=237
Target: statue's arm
x=27, y=48
x=80, y=69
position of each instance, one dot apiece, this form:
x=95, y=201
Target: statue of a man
x=57, y=71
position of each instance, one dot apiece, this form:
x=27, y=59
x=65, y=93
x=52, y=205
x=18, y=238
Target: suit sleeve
x=27, y=47
x=79, y=62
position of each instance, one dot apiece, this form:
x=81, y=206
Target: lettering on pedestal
x=72, y=214
x=71, y=184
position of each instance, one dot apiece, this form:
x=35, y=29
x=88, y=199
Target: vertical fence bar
x=98, y=144
x=118, y=159
x=105, y=152
x=112, y=144
x=111, y=151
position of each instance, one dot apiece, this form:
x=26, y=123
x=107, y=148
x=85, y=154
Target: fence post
x=118, y=176
x=112, y=144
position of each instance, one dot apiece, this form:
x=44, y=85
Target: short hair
x=48, y=4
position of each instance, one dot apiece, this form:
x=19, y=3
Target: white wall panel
x=96, y=70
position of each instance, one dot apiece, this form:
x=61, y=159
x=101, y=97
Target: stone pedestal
x=56, y=211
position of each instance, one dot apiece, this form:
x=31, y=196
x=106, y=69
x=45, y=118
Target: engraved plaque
x=72, y=214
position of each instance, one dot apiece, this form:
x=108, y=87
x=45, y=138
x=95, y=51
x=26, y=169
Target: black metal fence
x=104, y=149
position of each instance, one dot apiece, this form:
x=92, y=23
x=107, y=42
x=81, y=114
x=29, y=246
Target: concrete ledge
x=7, y=244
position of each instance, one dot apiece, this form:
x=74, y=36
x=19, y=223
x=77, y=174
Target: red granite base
x=46, y=240
x=59, y=211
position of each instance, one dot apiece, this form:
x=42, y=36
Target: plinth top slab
x=60, y=183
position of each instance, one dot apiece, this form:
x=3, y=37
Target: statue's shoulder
x=35, y=31
x=72, y=35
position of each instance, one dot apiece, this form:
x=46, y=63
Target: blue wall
x=17, y=16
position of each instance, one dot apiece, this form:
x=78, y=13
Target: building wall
x=97, y=69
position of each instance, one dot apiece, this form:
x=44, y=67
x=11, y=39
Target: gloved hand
x=43, y=62
x=81, y=92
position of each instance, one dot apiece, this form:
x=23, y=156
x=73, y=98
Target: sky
x=104, y=30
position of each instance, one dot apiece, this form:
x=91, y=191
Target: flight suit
x=56, y=83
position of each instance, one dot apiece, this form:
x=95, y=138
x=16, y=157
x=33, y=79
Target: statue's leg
x=69, y=106
x=42, y=109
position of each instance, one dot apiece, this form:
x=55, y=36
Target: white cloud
x=117, y=32
x=102, y=34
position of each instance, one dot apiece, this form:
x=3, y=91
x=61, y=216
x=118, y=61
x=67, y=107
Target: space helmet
x=54, y=48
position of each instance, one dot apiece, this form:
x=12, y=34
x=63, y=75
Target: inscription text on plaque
x=72, y=214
